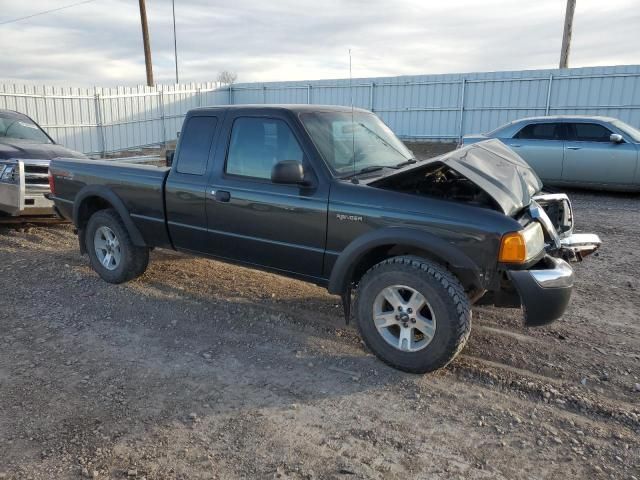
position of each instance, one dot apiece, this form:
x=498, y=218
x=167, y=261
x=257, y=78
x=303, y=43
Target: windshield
x=357, y=144
x=634, y=133
x=20, y=127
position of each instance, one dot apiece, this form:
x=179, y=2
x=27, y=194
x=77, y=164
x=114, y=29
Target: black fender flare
x=460, y=264
x=116, y=202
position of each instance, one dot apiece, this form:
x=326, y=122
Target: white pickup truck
x=25, y=153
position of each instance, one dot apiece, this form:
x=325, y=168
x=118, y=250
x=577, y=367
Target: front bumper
x=544, y=291
x=15, y=200
x=23, y=189
x=578, y=245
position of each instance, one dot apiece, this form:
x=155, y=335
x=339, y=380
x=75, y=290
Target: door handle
x=220, y=195
x=516, y=145
x=574, y=148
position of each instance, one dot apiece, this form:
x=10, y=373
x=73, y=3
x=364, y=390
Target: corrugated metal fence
x=430, y=107
x=102, y=120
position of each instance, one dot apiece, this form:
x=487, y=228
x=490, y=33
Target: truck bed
x=138, y=187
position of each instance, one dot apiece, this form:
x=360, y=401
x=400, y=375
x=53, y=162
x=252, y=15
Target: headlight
x=523, y=245
x=7, y=172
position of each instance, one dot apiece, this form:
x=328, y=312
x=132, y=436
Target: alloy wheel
x=404, y=318
x=107, y=248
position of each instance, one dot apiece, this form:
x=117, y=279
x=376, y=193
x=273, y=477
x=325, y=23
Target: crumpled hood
x=16, y=148
x=493, y=167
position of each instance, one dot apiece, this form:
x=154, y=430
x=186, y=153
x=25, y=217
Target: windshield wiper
x=410, y=161
x=369, y=169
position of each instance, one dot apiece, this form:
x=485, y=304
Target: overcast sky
x=100, y=43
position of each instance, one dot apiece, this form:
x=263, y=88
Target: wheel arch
x=372, y=248
x=93, y=198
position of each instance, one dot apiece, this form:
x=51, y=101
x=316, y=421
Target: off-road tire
x=446, y=298
x=134, y=259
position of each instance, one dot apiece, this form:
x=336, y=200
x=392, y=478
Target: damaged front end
x=486, y=174
x=544, y=290
x=439, y=180
x=490, y=175
x=555, y=213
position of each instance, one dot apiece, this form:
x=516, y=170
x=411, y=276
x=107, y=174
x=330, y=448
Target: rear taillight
x=52, y=183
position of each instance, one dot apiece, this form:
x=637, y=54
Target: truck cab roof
x=295, y=108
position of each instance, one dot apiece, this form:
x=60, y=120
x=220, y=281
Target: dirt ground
x=203, y=370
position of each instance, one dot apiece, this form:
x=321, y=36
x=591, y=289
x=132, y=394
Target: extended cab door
x=541, y=145
x=185, y=190
x=251, y=219
x=591, y=157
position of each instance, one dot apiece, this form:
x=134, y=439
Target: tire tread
x=137, y=258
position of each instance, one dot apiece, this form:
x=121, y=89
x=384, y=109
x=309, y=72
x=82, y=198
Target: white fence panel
x=438, y=107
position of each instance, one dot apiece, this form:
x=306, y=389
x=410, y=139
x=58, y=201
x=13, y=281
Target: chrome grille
x=36, y=175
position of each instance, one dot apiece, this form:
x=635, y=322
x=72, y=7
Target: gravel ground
x=204, y=370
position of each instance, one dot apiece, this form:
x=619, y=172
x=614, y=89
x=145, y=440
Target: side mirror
x=615, y=138
x=169, y=156
x=288, y=172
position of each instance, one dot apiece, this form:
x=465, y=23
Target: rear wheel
x=413, y=313
x=111, y=252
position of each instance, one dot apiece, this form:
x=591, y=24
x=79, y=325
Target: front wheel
x=112, y=253
x=412, y=313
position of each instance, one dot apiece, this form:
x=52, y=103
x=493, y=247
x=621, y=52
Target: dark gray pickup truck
x=330, y=195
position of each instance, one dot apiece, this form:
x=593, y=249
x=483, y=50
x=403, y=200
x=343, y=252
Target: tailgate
x=138, y=189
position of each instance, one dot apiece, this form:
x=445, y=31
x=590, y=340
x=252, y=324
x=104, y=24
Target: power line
x=45, y=12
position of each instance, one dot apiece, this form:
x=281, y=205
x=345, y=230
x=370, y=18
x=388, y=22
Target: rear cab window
x=195, y=144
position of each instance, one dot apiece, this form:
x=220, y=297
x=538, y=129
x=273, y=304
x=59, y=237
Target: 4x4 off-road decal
x=352, y=218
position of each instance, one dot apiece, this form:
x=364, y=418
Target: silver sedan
x=592, y=152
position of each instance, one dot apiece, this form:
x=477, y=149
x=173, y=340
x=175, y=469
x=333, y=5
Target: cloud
x=100, y=43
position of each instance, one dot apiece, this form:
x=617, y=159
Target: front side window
x=21, y=128
x=591, y=132
x=540, y=131
x=195, y=144
x=257, y=144
x=353, y=142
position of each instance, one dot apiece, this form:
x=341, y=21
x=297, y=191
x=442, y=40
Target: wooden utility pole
x=566, y=36
x=175, y=40
x=145, y=41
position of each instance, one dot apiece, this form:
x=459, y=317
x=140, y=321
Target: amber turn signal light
x=513, y=248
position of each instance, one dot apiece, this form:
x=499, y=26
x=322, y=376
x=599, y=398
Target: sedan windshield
x=355, y=143
x=634, y=133
x=22, y=128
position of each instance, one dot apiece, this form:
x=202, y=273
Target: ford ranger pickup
x=330, y=195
